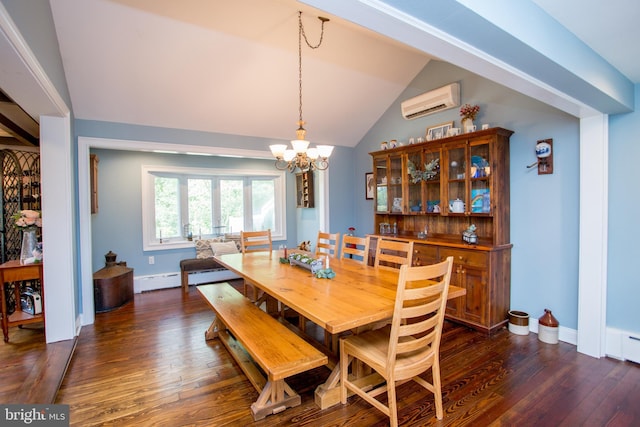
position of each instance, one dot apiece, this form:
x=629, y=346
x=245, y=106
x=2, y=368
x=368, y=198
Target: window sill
x=170, y=244
x=185, y=244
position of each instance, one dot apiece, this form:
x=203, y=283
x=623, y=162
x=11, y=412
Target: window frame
x=151, y=243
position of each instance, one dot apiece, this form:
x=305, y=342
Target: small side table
x=13, y=271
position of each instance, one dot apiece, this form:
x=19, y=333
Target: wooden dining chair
x=255, y=241
x=392, y=254
x=356, y=248
x=406, y=349
x=327, y=244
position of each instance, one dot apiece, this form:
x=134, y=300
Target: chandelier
x=301, y=156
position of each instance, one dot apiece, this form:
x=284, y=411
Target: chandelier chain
x=305, y=35
x=302, y=34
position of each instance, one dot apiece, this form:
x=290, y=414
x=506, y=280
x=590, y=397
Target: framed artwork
x=369, y=186
x=438, y=131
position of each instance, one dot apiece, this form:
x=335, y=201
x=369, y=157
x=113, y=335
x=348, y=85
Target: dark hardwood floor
x=31, y=370
x=147, y=363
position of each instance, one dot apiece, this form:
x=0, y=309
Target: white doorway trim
x=60, y=279
x=594, y=205
x=24, y=80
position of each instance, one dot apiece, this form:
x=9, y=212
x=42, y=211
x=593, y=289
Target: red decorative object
x=351, y=233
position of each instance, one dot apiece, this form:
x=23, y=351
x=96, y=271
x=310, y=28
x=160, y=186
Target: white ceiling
x=227, y=66
x=231, y=66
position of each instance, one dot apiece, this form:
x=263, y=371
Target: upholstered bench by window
x=204, y=261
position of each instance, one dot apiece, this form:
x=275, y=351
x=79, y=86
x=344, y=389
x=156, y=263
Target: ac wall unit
x=431, y=102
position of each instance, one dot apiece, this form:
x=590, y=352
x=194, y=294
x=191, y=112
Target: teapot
x=456, y=206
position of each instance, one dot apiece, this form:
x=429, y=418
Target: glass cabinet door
x=456, y=181
x=414, y=181
x=432, y=199
x=395, y=184
x=479, y=179
x=382, y=189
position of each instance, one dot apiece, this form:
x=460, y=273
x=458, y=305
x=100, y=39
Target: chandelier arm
x=303, y=162
x=281, y=164
x=321, y=164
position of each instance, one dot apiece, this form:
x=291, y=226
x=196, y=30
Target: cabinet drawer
x=24, y=272
x=424, y=254
x=466, y=257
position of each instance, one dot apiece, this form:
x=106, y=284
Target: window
x=178, y=202
x=167, y=206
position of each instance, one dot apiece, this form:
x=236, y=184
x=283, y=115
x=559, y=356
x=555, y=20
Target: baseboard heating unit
x=172, y=280
x=631, y=348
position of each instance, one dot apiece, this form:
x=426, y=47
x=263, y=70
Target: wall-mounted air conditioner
x=431, y=102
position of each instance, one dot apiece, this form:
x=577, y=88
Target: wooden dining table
x=358, y=295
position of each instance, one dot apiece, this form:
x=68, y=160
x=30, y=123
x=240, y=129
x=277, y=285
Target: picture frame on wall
x=438, y=131
x=369, y=186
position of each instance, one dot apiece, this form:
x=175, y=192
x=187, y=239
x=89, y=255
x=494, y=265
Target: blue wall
x=623, y=287
x=119, y=197
x=544, y=208
x=119, y=179
x=117, y=226
x=346, y=184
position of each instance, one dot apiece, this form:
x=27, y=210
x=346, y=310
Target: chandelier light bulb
x=325, y=150
x=300, y=146
x=278, y=150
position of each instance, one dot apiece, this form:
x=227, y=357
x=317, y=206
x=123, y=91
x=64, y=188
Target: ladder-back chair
x=391, y=254
x=357, y=247
x=327, y=244
x=406, y=349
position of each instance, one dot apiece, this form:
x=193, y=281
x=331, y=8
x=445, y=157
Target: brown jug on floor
x=547, y=319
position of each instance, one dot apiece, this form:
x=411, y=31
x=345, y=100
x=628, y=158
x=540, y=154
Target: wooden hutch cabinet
x=443, y=187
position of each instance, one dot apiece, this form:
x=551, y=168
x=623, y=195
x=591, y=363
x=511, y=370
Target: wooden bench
x=246, y=330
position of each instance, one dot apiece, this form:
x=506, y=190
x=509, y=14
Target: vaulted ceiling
x=228, y=67
x=232, y=67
